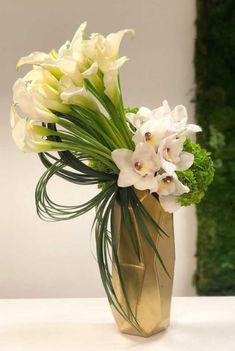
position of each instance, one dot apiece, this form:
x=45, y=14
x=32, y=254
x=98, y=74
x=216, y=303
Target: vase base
x=133, y=331
x=126, y=328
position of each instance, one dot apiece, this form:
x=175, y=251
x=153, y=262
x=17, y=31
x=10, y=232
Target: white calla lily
x=70, y=94
x=108, y=48
x=14, y=116
x=110, y=70
x=42, y=75
x=69, y=66
x=35, y=58
x=27, y=139
x=23, y=97
x=137, y=167
x=31, y=137
x=106, y=54
x=171, y=155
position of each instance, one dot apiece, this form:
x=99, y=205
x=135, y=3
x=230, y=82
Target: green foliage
x=131, y=109
x=198, y=177
x=215, y=112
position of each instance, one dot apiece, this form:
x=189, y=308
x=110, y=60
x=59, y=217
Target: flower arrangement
x=69, y=109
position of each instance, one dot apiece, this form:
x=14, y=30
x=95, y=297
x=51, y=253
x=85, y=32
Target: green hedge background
x=215, y=112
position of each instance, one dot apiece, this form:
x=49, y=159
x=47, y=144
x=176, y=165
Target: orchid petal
x=122, y=158
x=169, y=203
x=128, y=177
x=148, y=182
x=180, y=114
x=186, y=161
x=180, y=187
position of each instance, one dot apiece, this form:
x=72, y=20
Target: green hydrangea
x=198, y=177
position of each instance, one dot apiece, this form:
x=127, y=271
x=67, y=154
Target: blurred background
x=39, y=259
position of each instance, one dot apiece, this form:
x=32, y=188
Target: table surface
x=86, y=324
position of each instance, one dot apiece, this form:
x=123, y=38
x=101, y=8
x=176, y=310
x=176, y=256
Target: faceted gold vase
x=148, y=287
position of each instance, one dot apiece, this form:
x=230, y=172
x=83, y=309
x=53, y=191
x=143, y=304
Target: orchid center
x=168, y=155
x=138, y=166
x=141, y=168
x=167, y=179
x=148, y=136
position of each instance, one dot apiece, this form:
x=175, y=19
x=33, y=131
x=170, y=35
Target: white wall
x=39, y=259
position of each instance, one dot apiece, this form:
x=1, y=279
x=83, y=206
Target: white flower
x=27, y=139
x=70, y=94
x=108, y=48
x=168, y=188
x=171, y=155
x=137, y=167
x=35, y=58
x=153, y=131
x=178, y=117
x=23, y=97
x=106, y=54
x=14, y=116
x=40, y=74
x=137, y=119
x=144, y=114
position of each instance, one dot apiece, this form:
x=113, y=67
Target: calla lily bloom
x=27, y=139
x=70, y=94
x=137, y=167
x=29, y=104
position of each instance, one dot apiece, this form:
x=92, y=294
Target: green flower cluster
x=198, y=177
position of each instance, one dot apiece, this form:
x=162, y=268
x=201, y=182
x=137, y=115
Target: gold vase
x=148, y=287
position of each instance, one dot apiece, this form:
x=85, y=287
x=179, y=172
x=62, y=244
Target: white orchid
x=143, y=115
x=137, y=167
x=171, y=155
x=178, y=117
x=153, y=131
x=168, y=187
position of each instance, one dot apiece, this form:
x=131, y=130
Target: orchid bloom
x=168, y=188
x=153, y=131
x=171, y=155
x=137, y=167
x=143, y=115
x=178, y=117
